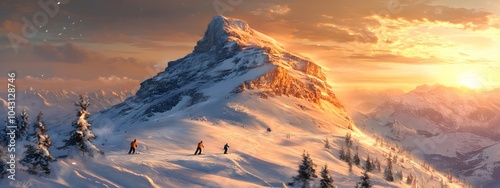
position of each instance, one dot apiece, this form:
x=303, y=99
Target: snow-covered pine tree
x=349, y=163
x=348, y=157
x=82, y=136
x=342, y=152
x=356, y=159
x=376, y=165
x=32, y=136
x=365, y=181
x=348, y=139
x=38, y=157
x=388, y=175
x=326, y=180
x=307, y=172
x=327, y=144
x=368, y=164
x=22, y=126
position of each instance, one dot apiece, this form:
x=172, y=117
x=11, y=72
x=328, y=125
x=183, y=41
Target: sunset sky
x=369, y=44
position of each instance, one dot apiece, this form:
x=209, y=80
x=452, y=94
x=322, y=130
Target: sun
x=471, y=80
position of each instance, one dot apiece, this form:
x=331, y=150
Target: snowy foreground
x=257, y=158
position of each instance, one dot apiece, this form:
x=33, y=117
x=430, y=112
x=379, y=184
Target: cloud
x=11, y=26
x=69, y=61
x=57, y=83
x=353, y=21
x=272, y=10
x=391, y=58
x=469, y=18
x=68, y=53
x=134, y=21
x=131, y=36
x=116, y=79
x=156, y=46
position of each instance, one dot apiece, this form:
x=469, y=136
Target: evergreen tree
x=348, y=139
x=368, y=164
x=82, y=136
x=365, y=181
x=327, y=144
x=33, y=136
x=388, y=175
x=22, y=126
x=342, y=152
x=377, y=165
x=38, y=157
x=356, y=159
x=307, y=172
x=326, y=180
x=349, y=163
x=348, y=159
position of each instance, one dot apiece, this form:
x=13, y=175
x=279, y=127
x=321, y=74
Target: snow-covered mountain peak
x=231, y=59
x=224, y=35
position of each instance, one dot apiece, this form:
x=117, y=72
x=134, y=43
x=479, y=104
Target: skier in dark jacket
x=225, y=148
x=133, y=145
x=198, y=149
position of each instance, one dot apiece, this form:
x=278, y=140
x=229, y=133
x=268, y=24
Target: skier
x=225, y=148
x=133, y=145
x=198, y=149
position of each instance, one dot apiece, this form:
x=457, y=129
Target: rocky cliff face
x=280, y=82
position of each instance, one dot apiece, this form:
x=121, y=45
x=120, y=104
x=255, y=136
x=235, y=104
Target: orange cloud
x=11, y=26
x=65, y=53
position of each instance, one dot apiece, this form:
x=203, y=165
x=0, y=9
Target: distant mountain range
x=454, y=128
x=58, y=107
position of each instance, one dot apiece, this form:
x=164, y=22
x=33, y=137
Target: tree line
x=37, y=143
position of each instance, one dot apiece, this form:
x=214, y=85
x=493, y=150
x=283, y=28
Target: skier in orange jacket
x=198, y=149
x=133, y=145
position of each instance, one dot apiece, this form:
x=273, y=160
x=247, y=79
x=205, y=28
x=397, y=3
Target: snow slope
x=257, y=158
x=234, y=85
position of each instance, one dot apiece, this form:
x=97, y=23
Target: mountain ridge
x=456, y=127
x=233, y=58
